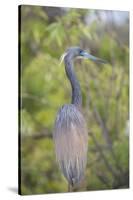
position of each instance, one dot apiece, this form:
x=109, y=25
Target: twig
x=109, y=167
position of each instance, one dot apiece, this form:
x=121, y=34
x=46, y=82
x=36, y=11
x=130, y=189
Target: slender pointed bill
x=93, y=58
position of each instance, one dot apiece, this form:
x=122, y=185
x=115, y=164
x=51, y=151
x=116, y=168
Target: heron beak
x=93, y=58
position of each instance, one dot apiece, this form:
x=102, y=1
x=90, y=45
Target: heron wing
x=71, y=141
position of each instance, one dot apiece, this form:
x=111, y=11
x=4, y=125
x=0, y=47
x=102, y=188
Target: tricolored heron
x=70, y=131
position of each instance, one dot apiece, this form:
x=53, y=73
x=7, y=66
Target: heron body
x=71, y=140
x=70, y=132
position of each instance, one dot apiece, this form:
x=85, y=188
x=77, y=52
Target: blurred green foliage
x=45, y=34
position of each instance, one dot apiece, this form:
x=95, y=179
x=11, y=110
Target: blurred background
x=46, y=32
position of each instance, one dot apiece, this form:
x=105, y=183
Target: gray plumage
x=71, y=139
x=70, y=132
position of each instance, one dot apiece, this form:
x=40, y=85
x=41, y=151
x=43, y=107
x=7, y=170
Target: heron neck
x=76, y=91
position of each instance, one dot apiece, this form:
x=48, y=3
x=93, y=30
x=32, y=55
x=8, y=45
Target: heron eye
x=81, y=52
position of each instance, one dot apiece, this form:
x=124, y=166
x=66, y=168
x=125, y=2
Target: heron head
x=77, y=52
